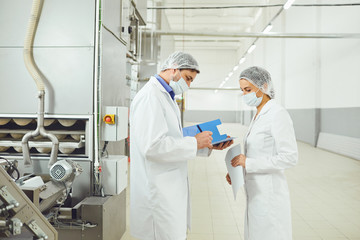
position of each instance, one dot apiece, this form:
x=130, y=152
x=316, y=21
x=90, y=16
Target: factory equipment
x=63, y=135
x=16, y=211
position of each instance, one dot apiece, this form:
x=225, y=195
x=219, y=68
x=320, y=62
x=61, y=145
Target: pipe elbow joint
x=25, y=148
x=26, y=154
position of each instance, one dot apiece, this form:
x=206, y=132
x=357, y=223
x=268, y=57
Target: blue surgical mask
x=251, y=99
x=179, y=87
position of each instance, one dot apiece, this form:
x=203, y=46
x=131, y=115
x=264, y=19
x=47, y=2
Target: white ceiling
x=225, y=21
x=211, y=20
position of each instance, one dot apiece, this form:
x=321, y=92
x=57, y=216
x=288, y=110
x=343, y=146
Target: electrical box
x=114, y=124
x=114, y=174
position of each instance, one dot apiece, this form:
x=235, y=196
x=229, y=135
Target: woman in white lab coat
x=270, y=148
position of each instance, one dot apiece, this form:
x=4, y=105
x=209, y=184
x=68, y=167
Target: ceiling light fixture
x=230, y=74
x=288, y=4
x=242, y=60
x=251, y=49
x=235, y=68
x=268, y=28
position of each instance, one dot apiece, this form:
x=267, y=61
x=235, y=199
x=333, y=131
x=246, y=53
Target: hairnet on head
x=180, y=60
x=260, y=78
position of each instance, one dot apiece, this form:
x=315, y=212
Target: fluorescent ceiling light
x=268, y=28
x=242, y=60
x=251, y=48
x=235, y=68
x=230, y=74
x=227, y=78
x=288, y=4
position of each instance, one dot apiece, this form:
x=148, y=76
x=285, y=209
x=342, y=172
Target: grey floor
x=325, y=196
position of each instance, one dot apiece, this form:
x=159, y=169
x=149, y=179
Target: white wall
x=307, y=73
x=314, y=73
x=214, y=66
x=318, y=78
x=167, y=43
x=300, y=60
x=340, y=59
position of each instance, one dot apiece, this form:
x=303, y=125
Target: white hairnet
x=260, y=78
x=180, y=60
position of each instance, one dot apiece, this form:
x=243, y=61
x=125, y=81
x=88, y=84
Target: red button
x=108, y=119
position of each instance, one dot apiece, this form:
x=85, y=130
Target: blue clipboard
x=207, y=126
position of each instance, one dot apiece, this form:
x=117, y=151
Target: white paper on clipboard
x=236, y=173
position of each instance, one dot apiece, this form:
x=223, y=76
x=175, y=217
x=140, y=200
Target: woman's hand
x=238, y=161
x=228, y=179
x=223, y=145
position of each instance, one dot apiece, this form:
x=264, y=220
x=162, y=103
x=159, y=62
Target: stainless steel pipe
x=260, y=35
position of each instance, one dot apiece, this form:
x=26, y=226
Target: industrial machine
x=68, y=76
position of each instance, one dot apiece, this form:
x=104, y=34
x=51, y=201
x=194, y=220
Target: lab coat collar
x=153, y=80
x=166, y=86
x=264, y=110
x=267, y=107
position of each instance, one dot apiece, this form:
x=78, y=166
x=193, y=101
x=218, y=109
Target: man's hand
x=238, y=160
x=223, y=145
x=228, y=179
x=204, y=139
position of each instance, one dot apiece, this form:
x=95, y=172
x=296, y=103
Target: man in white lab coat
x=159, y=188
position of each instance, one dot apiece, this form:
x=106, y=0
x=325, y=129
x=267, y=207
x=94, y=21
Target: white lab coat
x=159, y=188
x=270, y=148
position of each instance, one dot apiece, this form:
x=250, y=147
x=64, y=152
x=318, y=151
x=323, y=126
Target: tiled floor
x=325, y=196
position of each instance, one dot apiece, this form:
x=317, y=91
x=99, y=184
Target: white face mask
x=179, y=87
x=252, y=100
